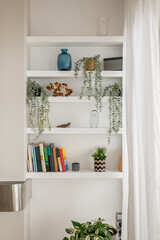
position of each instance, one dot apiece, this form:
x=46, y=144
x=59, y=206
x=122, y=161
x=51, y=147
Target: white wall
x=56, y=202
x=13, y=226
x=74, y=17
x=12, y=90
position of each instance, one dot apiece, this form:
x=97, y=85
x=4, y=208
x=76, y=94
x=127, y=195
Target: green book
x=46, y=159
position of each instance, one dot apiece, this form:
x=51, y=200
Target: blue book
x=34, y=159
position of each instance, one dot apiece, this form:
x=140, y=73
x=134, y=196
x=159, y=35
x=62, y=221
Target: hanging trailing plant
x=115, y=107
x=39, y=107
x=91, y=67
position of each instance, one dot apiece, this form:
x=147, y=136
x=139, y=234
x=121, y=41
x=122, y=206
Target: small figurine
x=67, y=125
x=57, y=89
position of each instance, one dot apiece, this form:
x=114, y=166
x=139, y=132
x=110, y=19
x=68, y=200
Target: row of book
x=46, y=158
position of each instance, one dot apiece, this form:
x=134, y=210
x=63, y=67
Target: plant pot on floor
x=99, y=164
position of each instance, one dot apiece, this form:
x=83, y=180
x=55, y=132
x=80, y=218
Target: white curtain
x=142, y=121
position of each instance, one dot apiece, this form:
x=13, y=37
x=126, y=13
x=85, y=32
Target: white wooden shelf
x=79, y=41
x=73, y=131
x=74, y=99
x=69, y=74
x=75, y=175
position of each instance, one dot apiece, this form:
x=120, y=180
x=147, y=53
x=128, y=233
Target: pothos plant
x=39, y=107
x=115, y=107
x=94, y=230
x=91, y=67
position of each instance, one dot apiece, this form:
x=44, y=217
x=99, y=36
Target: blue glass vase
x=64, y=61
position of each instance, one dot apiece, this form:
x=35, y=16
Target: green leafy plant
x=115, y=107
x=100, y=153
x=94, y=70
x=39, y=107
x=94, y=230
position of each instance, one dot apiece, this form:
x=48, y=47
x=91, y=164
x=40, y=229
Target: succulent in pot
x=100, y=159
x=92, y=230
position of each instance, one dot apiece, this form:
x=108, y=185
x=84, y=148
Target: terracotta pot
x=91, y=65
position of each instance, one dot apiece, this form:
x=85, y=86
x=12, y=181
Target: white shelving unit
x=74, y=99
x=73, y=41
x=77, y=138
x=79, y=41
x=73, y=131
x=70, y=74
x=76, y=175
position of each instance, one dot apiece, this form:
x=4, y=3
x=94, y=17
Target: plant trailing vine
x=39, y=107
x=115, y=107
x=93, y=230
x=91, y=67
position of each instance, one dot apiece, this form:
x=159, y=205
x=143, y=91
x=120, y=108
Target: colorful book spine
x=46, y=159
x=65, y=159
x=30, y=163
x=34, y=159
x=42, y=157
x=38, y=159
x=62, y=159
x=55, y=159
x=59, y=159
x=52, y=159
x=49, y=158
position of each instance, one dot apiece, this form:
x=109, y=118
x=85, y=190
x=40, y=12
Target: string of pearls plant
x=39, y=107
x=91, y=69
x=115, y=107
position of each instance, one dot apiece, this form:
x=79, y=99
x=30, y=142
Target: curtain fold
x=142, y=119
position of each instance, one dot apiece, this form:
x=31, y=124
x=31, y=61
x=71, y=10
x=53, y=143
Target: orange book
x=62, y=160
x=55, y=160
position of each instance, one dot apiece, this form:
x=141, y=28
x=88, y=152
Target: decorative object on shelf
x=91, y=230
x=67, y=125
x=64, y=60
x=39, y=107
x=91, y=67
x=75, y=166
x=58, y=87
x=120, y=164
x=102, y=26
x=100, y=159
x=115, y=108
x=113, y=64
x=94, y=119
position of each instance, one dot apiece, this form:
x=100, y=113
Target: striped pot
x=99, y=165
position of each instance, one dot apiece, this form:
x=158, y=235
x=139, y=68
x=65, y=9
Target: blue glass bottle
x=64, y=61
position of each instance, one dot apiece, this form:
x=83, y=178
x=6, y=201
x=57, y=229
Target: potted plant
x=115, y=107
x=39, y=107
x=91, y=67
x=100, y=159
x=94, y=230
